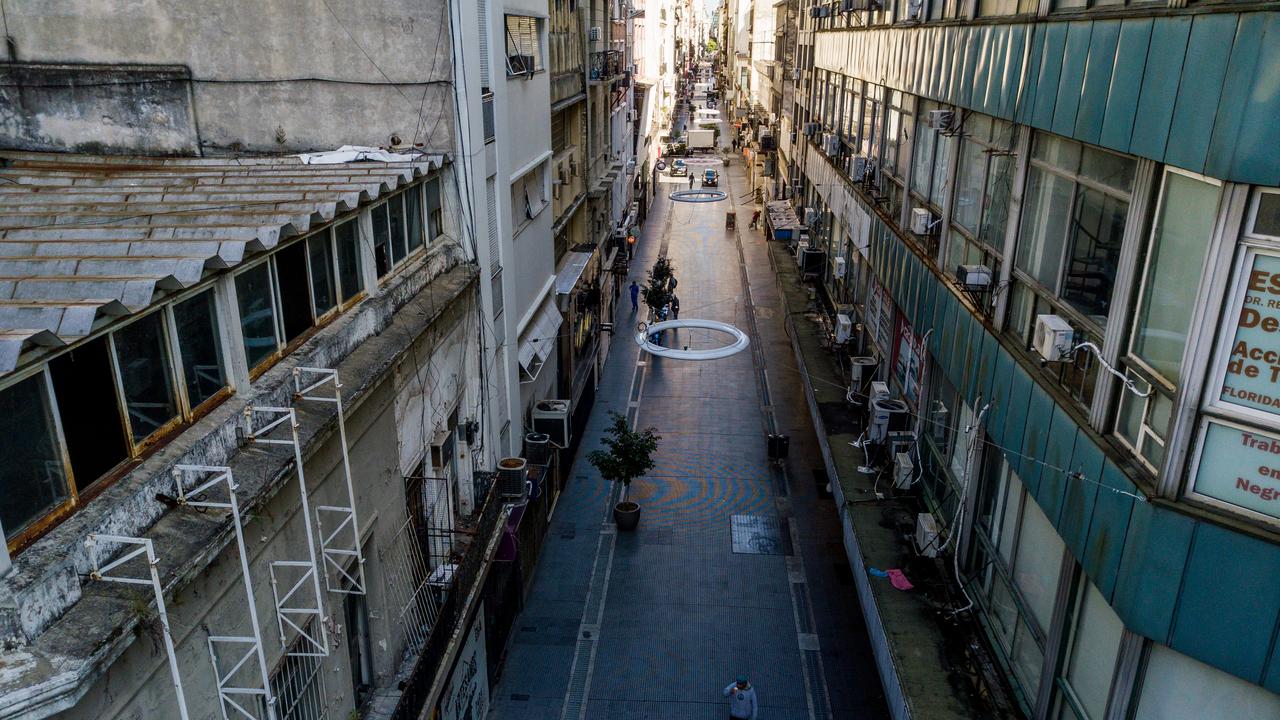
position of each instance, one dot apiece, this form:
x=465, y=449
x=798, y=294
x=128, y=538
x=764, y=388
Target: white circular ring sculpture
x=644, y=332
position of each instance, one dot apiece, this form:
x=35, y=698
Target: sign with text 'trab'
x=1240, y=466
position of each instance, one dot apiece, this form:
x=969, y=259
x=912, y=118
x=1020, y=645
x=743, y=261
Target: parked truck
x=701, y=140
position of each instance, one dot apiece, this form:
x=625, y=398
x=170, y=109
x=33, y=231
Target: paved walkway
x=652, y=624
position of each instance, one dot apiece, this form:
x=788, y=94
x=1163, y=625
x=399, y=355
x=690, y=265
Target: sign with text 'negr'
x=1251, y=378
x=1240, y=467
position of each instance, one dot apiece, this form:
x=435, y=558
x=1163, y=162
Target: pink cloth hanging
x=898, y=579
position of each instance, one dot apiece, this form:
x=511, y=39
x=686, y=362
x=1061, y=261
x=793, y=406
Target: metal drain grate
x=813, y=669
x=760, y=535
x=575, y=699
x=803, y=609
x=595, y=592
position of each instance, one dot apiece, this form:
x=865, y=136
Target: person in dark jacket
x=675, y=308
x=635, y=296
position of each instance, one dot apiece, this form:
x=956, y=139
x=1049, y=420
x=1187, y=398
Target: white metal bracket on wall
x=143, y=547
x=195, y=484
x=280, y=427
x=341, y=545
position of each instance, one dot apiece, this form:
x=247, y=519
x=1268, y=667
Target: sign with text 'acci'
x=1240, y=467
x=1251, y=378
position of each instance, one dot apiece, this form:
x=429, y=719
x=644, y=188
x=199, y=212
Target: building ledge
x=62, y=633
x=922, y=665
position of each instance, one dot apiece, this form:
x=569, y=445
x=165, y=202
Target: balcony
x=605, y=65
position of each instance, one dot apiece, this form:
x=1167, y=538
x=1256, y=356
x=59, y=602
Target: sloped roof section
x=86, y=239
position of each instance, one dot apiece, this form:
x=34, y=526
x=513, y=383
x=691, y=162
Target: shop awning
x=539, y=339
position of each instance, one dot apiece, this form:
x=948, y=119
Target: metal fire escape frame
x=333, y=550
x=144, y=547
x=197, y=497
x=285, y=609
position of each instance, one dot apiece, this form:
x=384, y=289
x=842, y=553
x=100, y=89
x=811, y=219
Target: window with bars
x=298, y=685
x=524, y=49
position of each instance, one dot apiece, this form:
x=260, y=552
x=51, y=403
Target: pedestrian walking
x=742, y=699
x=755, y=220
x=635, y=296
x=690, y=181
x=675, y=308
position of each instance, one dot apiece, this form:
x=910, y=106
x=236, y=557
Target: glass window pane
x=1094, y=647
x=381, y=240
x=972, y=180
x=1059, y=152
x=32, y=480
x=92, y=424
x=398, y=246
x=321, y=258
x=1179, y=242
x=413, y=217
x=347, y=237
x=257, y=315
x=1010, y=510
x=941, y=170
x=1095, y=237
x=1038, y=563
x=1267, y=219
x=201, y=354
x=1044, y=226
x=922, y=158
x=1176, y=687
x=1028, y=661
x=1108, y=168
x=143, y=361
x=995, y=210
x=434, y=212
x=1129, y=418
x=1004, y=612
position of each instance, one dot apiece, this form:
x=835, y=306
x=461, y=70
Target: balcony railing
x=466, y=574
x=605, y=64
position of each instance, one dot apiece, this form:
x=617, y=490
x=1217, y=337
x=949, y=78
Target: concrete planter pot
x=626, y=515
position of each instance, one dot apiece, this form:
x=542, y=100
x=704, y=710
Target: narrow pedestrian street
x=737, y=566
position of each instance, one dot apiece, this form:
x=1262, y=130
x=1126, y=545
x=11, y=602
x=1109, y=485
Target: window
x=397, y=229
x=524, y=51
x=930, y=169
x=528, y=196
x=257, y=314
x=1092, y=649
x=1176, y=687
x=435, y=211
x=320, y=259
x=199, y=349
x=88, y=409
x=347, y=241
x=1073, y=223
x=1006, y=7
x=142, y=359
x=32, y=480
x=298, y=683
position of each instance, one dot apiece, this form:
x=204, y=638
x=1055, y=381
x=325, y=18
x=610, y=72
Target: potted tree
x=657, y=289
x=628, y=455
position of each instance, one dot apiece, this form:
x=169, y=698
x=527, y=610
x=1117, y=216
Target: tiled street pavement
x=653, y=624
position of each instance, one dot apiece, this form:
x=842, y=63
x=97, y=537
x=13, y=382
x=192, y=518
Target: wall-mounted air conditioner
x=857, y=167
x=552, y=417
x=974, y=276
x=879, y=390
x=903, y=471
x=927, y=535
x=941, y=120
x=862, y=369
x=838, y=269
x=1053, y=337
x=810, y=215
x=844, y=327
x=921, y=221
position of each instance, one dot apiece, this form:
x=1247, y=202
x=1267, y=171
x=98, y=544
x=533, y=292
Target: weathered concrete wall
x=137, y=686
x=270, y=76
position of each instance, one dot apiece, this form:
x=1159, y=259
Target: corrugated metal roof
x=84, y=239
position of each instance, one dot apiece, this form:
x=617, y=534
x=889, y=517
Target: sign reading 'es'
x=1252, y=376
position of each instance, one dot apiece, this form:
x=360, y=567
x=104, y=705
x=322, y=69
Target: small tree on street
x=657, y=289
x=628, y=453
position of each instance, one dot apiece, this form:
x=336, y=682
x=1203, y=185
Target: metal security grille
x=298, y=686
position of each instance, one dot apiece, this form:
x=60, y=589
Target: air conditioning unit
x=795, y=73
x=941, y=119
x=810, y=260
x=927, y=535
x=594, y=34
x=974, y=276
x=903, y=471
x=857, y=167
x=862, y=369
x=552, y=418
x=1053, y=337
x=921, y=221
x=811, y=129
x=844, y=327
x=537, y=448
x=886, y=415
x=555, y=189
x=810, y=216
x=513, y=480
x=915, y=9
x=879, y=390
x=838, y=269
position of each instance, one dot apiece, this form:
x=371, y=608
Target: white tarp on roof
x=571, y=270
x=539, y=339
x=354, y=153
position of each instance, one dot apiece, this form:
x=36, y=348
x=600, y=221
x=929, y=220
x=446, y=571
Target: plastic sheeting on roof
x=539, y=338
x=355, y=153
